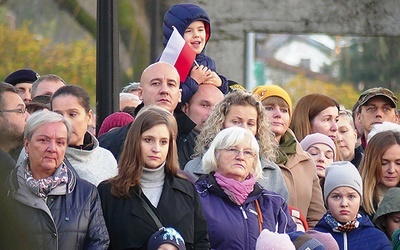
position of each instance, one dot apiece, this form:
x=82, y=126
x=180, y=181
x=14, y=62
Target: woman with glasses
x=236, y=207
x=241, y=109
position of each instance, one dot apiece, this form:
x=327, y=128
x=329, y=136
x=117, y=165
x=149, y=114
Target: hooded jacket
x=366, y=236
x=70, y=218
x=389, y=204
x=231, y=226
x=181, y=16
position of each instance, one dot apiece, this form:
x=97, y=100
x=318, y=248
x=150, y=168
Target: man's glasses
x=21, y=111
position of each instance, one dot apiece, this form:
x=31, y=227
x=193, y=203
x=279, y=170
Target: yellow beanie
x=265, y=91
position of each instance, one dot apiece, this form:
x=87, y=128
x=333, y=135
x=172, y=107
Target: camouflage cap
x=379, y=91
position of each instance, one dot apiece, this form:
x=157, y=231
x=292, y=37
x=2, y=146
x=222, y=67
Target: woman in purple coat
x=237, y=209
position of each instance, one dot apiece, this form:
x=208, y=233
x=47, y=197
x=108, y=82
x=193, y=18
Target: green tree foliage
x=371, y=62
x=343, y=93
x=74, y=62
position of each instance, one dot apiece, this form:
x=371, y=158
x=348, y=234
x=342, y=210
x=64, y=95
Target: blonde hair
x=371, y=166
x=215, y=122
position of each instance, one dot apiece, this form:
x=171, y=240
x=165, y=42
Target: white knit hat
x=342, y=174
x=273, y=241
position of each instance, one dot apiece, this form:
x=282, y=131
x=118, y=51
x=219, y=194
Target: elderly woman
x=57, y=208
x=241, y=109
x=236, y=207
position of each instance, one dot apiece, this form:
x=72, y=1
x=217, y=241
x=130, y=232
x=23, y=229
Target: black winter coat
x=130, y=226
x=71, y=218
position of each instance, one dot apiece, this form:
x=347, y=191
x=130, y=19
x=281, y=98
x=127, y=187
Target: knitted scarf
x=236, y=191
x=287, y=146
x=42, y=187
x=338, y=227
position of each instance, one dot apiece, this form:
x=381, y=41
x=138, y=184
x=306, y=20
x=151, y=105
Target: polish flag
x=178, y=53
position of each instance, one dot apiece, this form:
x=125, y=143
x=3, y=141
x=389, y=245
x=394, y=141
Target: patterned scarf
x=236, y=191
x=42, y=187
x=338, y=227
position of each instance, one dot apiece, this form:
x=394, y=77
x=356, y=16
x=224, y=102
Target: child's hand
x=213, y=79
x=199, y=74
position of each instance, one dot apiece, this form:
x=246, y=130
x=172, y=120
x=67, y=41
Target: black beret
x=22, y=76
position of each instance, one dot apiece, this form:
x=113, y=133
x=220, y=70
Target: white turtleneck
x=152, y=182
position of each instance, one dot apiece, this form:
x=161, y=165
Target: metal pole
x=155, y=30
x=107, y=60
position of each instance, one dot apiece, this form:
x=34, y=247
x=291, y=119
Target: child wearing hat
x=342, y=195
x=166, y=238
x=194, y=25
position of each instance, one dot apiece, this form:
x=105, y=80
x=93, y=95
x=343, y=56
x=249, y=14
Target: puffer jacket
x=70, y=218
x=231, y=226
x=366, y=236
x=272, y=180
x=181, y=16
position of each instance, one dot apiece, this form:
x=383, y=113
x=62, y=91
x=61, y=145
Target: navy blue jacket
x=366, y=236
x=231, y=226
x=70, y=218
x=181, y=16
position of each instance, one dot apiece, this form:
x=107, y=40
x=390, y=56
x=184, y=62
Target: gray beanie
x=342, y=174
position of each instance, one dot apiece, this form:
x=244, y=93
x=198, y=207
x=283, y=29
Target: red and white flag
x=178, y=53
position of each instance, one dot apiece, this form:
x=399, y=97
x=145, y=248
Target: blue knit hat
x=166, y=235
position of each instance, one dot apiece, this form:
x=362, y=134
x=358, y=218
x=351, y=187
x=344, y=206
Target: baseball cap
x=378, y=91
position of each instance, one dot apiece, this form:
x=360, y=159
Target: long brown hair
x=307, y=108
x=371, y=166
x=131, y=164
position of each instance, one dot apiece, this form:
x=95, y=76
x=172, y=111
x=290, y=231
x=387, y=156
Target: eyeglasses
x=247, y=153
x=18, y=110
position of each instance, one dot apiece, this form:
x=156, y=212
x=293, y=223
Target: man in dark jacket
x=159, y=85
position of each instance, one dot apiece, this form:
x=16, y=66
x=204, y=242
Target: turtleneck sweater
x=152, y=182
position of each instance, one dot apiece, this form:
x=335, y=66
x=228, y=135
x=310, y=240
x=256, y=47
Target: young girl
x=147, y=191
x=342, y=194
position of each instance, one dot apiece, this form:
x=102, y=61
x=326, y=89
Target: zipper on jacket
x=345, y=241
x=243, y=212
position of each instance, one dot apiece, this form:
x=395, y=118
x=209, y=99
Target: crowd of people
x=196, y=163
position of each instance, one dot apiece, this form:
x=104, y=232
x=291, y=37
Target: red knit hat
x=117, y=119
x=294, y=212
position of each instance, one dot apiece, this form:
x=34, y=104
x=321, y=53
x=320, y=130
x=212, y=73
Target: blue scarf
x=339, y=227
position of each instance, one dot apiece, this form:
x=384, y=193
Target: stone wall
x=232, y=19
